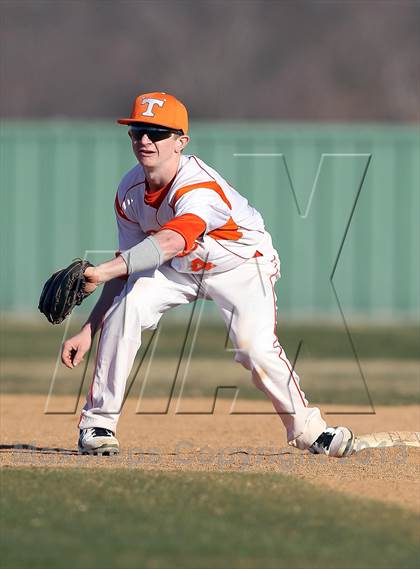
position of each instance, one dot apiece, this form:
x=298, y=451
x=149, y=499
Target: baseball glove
x=63, y=290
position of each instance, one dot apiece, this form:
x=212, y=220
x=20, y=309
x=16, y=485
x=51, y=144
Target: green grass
x=326, y=363
x=73, y=518
x=41, y=340
x=325, y=381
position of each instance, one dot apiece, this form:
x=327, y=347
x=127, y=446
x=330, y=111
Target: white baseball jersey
x=220, y=228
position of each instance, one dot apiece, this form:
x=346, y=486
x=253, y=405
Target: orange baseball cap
x=159, y=109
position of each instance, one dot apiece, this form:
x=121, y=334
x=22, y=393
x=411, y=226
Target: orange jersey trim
x=228, y=231
x=190, y=226
x=120, y=210
x=199, y=265
x=209, y=185
x=155, y=199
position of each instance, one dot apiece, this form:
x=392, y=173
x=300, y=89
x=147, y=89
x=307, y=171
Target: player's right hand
x=75, y=348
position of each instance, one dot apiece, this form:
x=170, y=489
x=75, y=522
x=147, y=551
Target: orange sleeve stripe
x=120, y=210
x=228, y=231
x=209, y=185
x=190, y=226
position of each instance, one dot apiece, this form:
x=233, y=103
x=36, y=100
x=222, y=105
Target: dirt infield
x=218, y=442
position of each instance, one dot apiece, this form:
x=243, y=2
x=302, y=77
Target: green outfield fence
x=58, y=181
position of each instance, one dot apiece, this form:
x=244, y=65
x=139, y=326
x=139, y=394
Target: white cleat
x=334, y=441
x=97, y=440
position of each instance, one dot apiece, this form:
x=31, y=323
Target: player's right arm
x=75, y=348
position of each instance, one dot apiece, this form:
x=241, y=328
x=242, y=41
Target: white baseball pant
x=246, y=298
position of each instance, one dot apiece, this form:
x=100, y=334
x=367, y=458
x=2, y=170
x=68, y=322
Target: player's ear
x=181, y=142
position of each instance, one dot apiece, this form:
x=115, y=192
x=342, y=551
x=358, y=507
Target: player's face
x=153, y=147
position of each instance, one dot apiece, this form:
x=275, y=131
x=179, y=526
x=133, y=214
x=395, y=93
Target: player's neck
x=158, y=177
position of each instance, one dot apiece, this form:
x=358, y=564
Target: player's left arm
x=169, y=242
x=196, y=213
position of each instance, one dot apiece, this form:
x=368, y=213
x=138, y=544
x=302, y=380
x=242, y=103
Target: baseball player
x=185, y=233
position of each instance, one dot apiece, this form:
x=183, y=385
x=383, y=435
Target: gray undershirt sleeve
x=145, y=256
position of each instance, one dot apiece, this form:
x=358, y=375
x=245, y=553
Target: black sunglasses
x=153, y=133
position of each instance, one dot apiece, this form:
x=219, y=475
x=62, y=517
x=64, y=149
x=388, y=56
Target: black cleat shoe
x=334, y=441
x=97, y=440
